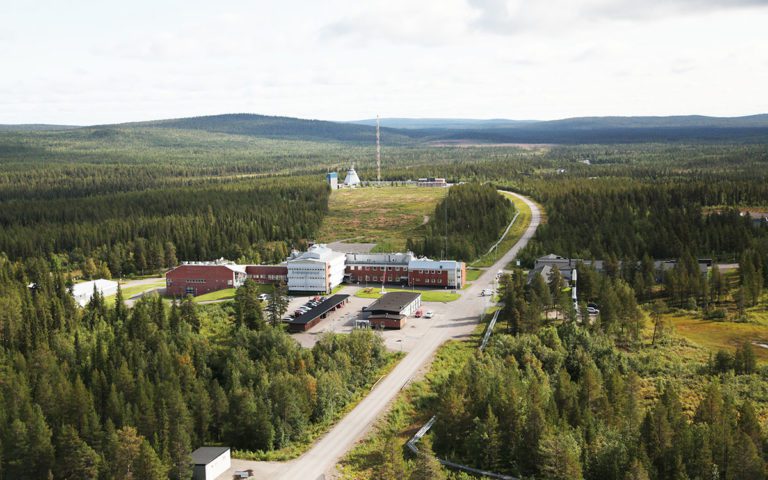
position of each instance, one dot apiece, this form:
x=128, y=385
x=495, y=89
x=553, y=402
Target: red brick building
x=204, y=277
x=437, y=273
x=404, y=269
x=267, y=274
x=377, y=268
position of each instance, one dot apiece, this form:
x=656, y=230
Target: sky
x=93, y=62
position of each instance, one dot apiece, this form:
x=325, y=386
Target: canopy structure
x=351, y=180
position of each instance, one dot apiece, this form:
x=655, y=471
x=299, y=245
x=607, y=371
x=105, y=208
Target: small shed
x=210, y=462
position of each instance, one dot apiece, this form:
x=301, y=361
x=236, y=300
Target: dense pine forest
x=573, y=407
x=476, y=216
x=107, y=392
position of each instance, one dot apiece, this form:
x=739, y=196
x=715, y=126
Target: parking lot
x=343, y=321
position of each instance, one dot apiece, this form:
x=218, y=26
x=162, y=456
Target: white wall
x=308, y=276
x=209, y=472
x=218, y=466
x=337, y=266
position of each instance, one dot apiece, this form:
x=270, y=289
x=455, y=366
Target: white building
x=351, y=180
x=84, y=291
x=333, y=180
x=210, y=462
x=319, y=269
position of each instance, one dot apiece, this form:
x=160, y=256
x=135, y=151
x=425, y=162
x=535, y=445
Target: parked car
x=263, y=297
x=487, y=292
x=418, y=313
x=429, y=314
x=592, y=311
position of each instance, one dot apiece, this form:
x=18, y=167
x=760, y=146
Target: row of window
x=393, y=269
x=261, y=276
x=436, y=281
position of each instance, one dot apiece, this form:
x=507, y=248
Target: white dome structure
x=351, y=180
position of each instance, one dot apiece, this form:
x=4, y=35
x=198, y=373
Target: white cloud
x=340, y=59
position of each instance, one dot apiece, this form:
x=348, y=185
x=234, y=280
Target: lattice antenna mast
x=378, y=150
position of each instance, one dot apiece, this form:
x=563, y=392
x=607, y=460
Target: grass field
x=716, y=336
x=473, y=274
x=226, y=294
x=514, y=234
x=444, y=296
x=386, y=216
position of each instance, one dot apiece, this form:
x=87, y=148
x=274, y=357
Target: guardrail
x=411, y=444
x=489, y=330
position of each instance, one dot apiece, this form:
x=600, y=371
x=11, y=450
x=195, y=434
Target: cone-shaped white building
x=351, y=180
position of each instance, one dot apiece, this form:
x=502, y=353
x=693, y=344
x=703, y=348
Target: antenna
x=378, y=150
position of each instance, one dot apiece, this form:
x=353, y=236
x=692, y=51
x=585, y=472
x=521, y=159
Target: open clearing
x=386, y=216
x=715, y=335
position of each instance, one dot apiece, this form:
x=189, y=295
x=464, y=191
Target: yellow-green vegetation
x=473, y=274
x=514, y=234
x=226, y=294
x=404, y=417
x=129, y=292
x=386, y=216
x=444, y=296
x=297, y=448
x=718, y=335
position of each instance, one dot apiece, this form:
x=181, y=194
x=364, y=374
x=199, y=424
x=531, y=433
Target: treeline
x=137, y=232
x=476, y=216
x=572, y=407
x=104, y=392
x=601, y=218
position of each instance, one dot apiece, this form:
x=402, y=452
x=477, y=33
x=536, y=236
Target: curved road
x=459, y=320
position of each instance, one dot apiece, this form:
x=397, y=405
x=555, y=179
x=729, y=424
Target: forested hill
x=403, y=131
x=277, y=127
x=690, y=128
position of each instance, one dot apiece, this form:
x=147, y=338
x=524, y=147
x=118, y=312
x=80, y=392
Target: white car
x=429, y=314
x=487, y=292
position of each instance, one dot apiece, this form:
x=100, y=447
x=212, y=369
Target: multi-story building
x=378, y=267
x=424, y=272
x=267, y=274
x=198, y=278
x=405, y=269
x=318, y=270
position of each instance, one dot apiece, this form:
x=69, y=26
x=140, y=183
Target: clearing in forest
x=386, y=216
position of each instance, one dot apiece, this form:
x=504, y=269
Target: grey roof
x=324, y=307
x=205, y=455
x=546, y=272
x=393, y=302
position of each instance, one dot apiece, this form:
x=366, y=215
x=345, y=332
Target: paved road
x=458, y=320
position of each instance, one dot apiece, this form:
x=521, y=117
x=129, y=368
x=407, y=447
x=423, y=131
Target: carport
x=311, y=318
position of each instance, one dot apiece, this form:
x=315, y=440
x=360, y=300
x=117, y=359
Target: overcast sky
x=87, y=62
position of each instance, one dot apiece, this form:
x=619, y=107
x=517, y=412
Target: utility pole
x=378, y=150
